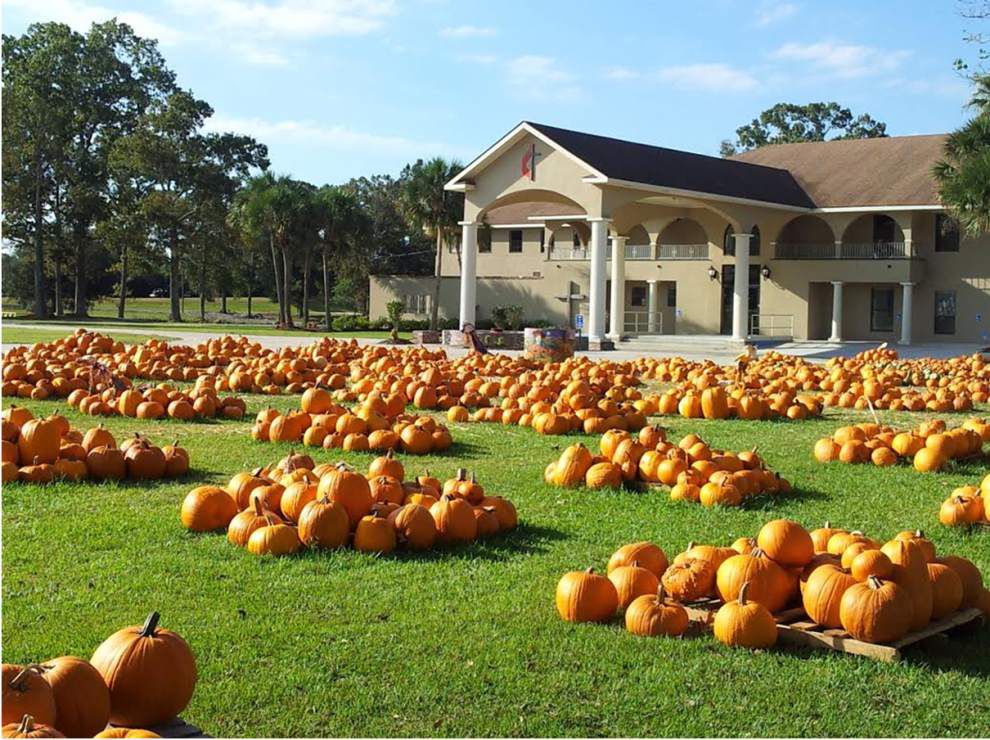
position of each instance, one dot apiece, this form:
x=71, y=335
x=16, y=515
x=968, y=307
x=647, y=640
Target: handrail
x=845, y=250
x=635, y=323
x=683, y=252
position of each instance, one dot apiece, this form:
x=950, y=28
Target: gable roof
x=671, y=168
x=890, y=171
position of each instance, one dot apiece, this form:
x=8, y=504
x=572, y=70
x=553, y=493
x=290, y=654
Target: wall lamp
x=765, y=272
x=712, y=273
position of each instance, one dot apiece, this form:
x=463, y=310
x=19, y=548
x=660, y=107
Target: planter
x=491, y=338
x=426, y=336
x=549, y=345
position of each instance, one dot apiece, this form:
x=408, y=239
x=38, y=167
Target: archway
x=873, y=236
x=805, y=237
x=683, y=238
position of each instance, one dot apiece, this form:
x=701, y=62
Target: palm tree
x=340, y=219
x=435, y=210
x=963, y=176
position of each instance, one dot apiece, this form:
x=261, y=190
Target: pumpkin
x=244, y=524
x=719, y=494
x=126, y=732
x=386, y=489
x=690, y=579
x=631, y=581
x=488, y=525
x=387, y=464
x=294, y=499
x=603, y=475
x=947, y=590
x=744, y=623
x=207, y=508
x=585, y=596
x=40, y=439
x=106, y=463
x=414, y=526
x=25, y=691
x=349, y=489
x=82, y=699
x=144, y=461
x=876, y=611
x=454, y=519
x=572, y=466
x=646, y=554
x=274, y=539
x=871, y=563
x=176, y=460
x=768, y=583
x=918, y=537
x=961, y=510
x=969, y=574
x=242, y=484
x=822, y=594
x=374, y=533
x=786, y=543
x=151, y=673
x=98, y=436
x=324, y=523
x=653, y=615
x=27, y=727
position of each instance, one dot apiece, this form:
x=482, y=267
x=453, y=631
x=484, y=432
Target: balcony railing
x=846, y=251
x=683, y=252
x=633, y=252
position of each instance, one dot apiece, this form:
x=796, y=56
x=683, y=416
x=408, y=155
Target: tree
x=340, y=221
x=963, y=176
x=432, y=209
x=788, y=123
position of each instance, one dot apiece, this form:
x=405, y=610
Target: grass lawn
x=13, y=334
x=466, y=641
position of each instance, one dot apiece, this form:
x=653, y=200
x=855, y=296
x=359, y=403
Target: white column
x=836, y=311
x=617, y=309
x=596, y=287
x=740, y=288
x=907, y=306
x=469, y=278
x=652, y=307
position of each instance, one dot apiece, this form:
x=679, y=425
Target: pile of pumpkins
x=876, y=592
x=296, y=504
x=929, y=446
x=161, y=401
x=737, y=402
x=967, y=506
x=139, y=677
x=694, y=470
x=376, y=423
x=48, y=449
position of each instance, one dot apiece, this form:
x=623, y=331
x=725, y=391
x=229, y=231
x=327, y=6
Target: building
x=835, y=240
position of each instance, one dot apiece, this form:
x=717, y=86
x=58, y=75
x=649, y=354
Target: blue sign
x=579, y=321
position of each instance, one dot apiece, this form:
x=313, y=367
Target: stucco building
x=831, y=240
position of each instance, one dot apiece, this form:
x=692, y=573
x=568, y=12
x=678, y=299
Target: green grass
x=466, y=641
x=26, y=335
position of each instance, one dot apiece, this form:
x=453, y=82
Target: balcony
x=845, y=251
x=633, y=252
x=683, y=252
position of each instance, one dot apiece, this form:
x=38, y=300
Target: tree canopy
x=789, y=123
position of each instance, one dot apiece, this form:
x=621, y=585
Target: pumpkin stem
x=27, y=725
x=742, y=594
x=257, y=505
x=461, y=474
x=661, y=594
x=150, y=625
x=874, y=582
x=590, y=570
x=17, y=680
x=919, y=534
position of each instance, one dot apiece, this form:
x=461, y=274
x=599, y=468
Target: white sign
x=579, y=321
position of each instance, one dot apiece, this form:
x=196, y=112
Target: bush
x=507, y=317
x=352, y=322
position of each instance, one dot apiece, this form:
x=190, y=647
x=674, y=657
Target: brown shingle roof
x=894, y=171
x=519, y=213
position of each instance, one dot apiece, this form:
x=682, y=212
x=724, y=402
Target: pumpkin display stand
x=794, y=627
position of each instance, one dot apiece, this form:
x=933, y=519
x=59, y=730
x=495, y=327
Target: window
x=417, y=303
x=754, y=242
x=672, y=296
x=729, y=242
x=882, y=309
x=485, y=239
x=638, y=295
x=515, y=240
x=945, y=312
x=946, y=234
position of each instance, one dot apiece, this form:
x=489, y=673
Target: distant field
x=24, y=335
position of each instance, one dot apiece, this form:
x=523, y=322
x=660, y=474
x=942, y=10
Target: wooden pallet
x=795, y=628
x=177, y=728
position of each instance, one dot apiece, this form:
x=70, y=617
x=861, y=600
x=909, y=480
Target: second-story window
x=946, y=234
x=485, y=239
x=515, y=240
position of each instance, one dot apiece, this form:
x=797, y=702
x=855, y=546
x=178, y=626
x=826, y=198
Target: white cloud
x=707, y=77
x=770, y=12
x=485, y=59
x=467, y=32
x=842, y=60
x=80, y=15
x=621, y=73
x=533, y=77
x=314, y=134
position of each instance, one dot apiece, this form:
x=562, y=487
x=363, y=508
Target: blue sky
x=339, y=88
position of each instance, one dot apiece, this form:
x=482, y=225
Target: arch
x=683, y=231
x=729, y=241
x=806, y=229
x=873, y=228
x=574, y=233
x=638, y=235
x=553, y=203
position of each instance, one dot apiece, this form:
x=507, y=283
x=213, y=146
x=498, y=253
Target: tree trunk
x=40, y=299
x=58, y=285
x=122, y=299
x=279, y=293
x=250, y=285
x=175, y=308
x=79, y=300
x=223, y=297
x=326, y=291
x=286, y=283
x=435, y=308
x=307, y=258
x=202, y=286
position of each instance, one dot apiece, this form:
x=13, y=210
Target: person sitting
x=472, y=341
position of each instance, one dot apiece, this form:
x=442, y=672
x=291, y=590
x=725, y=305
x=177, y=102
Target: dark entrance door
x=728, y=281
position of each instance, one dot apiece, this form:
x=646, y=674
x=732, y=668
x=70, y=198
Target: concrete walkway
x=690, y=348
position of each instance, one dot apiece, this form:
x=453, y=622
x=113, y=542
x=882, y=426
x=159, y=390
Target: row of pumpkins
x=876, y=592
x=967, y=505
x=161, y=401
x=139, y=677
x=377, y=423
x=929, y=446
x=298, y=504
x=695, y=471
x=48, y=449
